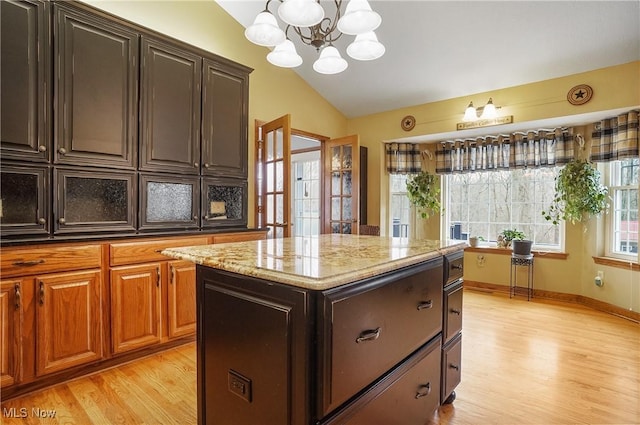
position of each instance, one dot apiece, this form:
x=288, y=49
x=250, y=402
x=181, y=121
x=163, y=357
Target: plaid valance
x=402, y=158
x=541, y=148
x=615, y=138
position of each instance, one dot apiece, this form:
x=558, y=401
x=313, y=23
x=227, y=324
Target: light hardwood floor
x=535, y=362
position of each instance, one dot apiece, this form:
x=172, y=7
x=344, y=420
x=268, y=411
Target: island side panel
x=253, y=351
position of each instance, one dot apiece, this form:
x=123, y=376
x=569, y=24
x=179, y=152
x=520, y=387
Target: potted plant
x=508, y=235
x=474, y=241
x=423, y=191
x=579, y=194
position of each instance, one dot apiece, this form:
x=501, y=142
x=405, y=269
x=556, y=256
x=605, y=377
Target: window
x=485, y=203
x=622, y=221
x=400, y=207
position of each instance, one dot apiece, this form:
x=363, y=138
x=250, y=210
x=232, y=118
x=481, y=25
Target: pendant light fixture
x=307, y=19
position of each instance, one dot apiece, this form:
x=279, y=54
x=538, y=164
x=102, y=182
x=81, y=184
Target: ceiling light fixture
x=307, y=19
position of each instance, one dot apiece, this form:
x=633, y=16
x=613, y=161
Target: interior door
x=342, y=185
x=273, y=177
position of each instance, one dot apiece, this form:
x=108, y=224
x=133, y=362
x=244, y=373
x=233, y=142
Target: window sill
x=617, y=263
x=506, y=251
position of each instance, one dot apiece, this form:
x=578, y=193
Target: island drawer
x=124, y=253
x=47, y=259
x=451, y=366
x=452, y=308
x=374, y=326
x=453, y=267
x=405, y=396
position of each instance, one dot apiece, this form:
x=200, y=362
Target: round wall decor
x=580, y=94
x=408, y=123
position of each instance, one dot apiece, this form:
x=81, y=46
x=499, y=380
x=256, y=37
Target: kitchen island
x=334, y=329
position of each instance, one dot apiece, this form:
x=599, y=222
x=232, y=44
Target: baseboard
x=634, y=316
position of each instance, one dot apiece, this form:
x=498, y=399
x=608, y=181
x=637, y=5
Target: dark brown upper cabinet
x=224, y=120
x=96, y=71
x=170, y=108
x=224, y=202
x=26, y=80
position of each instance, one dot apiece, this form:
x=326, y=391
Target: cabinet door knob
x=195, y=164
x=425, y=305
x=41, y=220
x=368, y=335
x=423, y=390
x=62, y=151
x=62, y=220
x=195, y=217
x=42, y=148
x=206, y=165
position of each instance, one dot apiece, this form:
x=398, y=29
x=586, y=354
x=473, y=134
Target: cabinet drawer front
x=453, y=267
x=374, y=330
x=27, y=261
x=240, y=237
x=452, y=310
x=408, y=396
x=147, y=251
x=451, y=366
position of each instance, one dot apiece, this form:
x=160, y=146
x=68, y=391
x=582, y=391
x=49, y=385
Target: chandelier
x=306, y=18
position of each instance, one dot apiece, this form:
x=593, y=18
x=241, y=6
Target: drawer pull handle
x=425, y=304
x=454, y=366
x=28, y=263
x=424, y=390
x=368, y=335
x=456, y=266
x=455, y=311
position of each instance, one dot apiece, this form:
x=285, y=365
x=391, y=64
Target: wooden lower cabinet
x=75, y=307
x=135, y=307
x=10, y=345
x=181, y=299
x=68, y=320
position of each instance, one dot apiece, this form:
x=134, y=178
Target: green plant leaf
x=423, y=191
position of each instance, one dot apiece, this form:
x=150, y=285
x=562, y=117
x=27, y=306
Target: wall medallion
x=408, y=123
x=580, y=94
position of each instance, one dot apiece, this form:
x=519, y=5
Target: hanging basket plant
x=579, y=194
x=423, y=191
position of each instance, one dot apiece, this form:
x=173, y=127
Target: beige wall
x=275, y=92
x=614, y=87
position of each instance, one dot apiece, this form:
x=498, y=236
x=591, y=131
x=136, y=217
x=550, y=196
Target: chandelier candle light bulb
x=307, y=19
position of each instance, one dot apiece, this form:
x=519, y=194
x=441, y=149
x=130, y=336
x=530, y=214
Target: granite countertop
x=316, y=262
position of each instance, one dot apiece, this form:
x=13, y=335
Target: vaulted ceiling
x=438, y=50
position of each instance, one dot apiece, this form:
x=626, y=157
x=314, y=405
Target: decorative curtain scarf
x=615, y=138
x=541, y=148
x=402, y=158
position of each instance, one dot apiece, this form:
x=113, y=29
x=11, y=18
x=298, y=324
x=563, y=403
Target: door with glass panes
x=341, y=170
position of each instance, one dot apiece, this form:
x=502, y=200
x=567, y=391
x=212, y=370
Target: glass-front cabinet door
x=342, y=178
x=224, y=202
x=24, y=200
x=168, y=202
x=94, y=200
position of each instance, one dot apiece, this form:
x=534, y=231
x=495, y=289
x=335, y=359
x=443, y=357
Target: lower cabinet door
x=181, y=309
x=451, y=365
x=69, y=320
x=409, y=395
x=135, y=307
x=10, y=332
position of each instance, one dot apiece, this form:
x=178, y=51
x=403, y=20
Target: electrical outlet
x=599, y=279
x=600, y=274
x=480, y=260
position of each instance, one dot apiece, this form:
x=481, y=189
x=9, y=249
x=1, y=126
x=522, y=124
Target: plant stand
x=521, y=261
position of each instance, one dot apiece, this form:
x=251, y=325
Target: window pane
x=485, y=203
x=623, y=189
